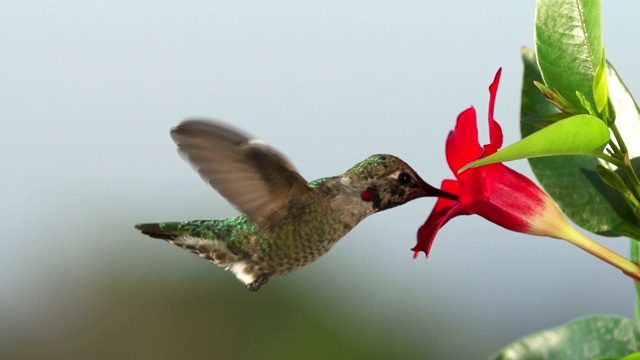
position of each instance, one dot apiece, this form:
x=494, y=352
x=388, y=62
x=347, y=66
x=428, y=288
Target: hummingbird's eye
x=404, y=178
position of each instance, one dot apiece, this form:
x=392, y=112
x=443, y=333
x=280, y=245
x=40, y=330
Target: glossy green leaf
x=592, y=337
x=576, y=135
x=572, y=181
x=569, y=45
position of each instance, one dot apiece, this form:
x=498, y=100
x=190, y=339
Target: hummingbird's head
x=386, y=182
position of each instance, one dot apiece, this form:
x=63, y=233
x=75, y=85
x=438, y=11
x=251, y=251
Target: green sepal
x=612, y=179
x=586, y=104
x=600, y=86
x=557, y=99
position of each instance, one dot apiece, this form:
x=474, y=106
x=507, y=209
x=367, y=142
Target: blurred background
x=89, y=93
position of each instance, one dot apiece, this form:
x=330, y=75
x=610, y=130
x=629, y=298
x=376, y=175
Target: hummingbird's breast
x=306, y=233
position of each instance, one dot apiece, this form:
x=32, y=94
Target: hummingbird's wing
x=251, y=175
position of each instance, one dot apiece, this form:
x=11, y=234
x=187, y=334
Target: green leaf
x=572, y=181
x=576, y=135
x=591, y=337
x=634, y=356
x=569, y=45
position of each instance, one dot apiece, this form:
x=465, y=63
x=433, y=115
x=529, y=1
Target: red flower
x=495, y=192
x=502, y=195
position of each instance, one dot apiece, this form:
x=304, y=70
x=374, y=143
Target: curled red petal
x=495, y=131
x=443, y=211
x=462, y=144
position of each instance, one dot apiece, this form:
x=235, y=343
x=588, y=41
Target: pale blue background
x=89, y=91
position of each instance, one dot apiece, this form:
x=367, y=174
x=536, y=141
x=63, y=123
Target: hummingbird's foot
x=258, y=282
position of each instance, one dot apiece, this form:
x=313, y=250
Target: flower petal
x=443, y=211
x=495, y=131
x=503, y=196
x=462, y=144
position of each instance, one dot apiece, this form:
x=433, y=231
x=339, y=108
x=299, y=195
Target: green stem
x=615, y=150
x=632, y=200
x=635, y=256
x=632, y=176
x=612, y=160
x=625, y=155
x=579, y=239
x=618, y=137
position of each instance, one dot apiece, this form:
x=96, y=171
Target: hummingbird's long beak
x=431, y=191
x=440, y=193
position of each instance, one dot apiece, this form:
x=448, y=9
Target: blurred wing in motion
x=251, y=175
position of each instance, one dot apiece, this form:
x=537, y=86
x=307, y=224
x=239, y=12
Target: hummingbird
x=286, y=222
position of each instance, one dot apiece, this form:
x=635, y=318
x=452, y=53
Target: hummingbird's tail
x=198, y=236
x=164, y=231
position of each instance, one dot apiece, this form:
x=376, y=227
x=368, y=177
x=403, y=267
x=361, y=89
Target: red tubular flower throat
x=514, y=202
